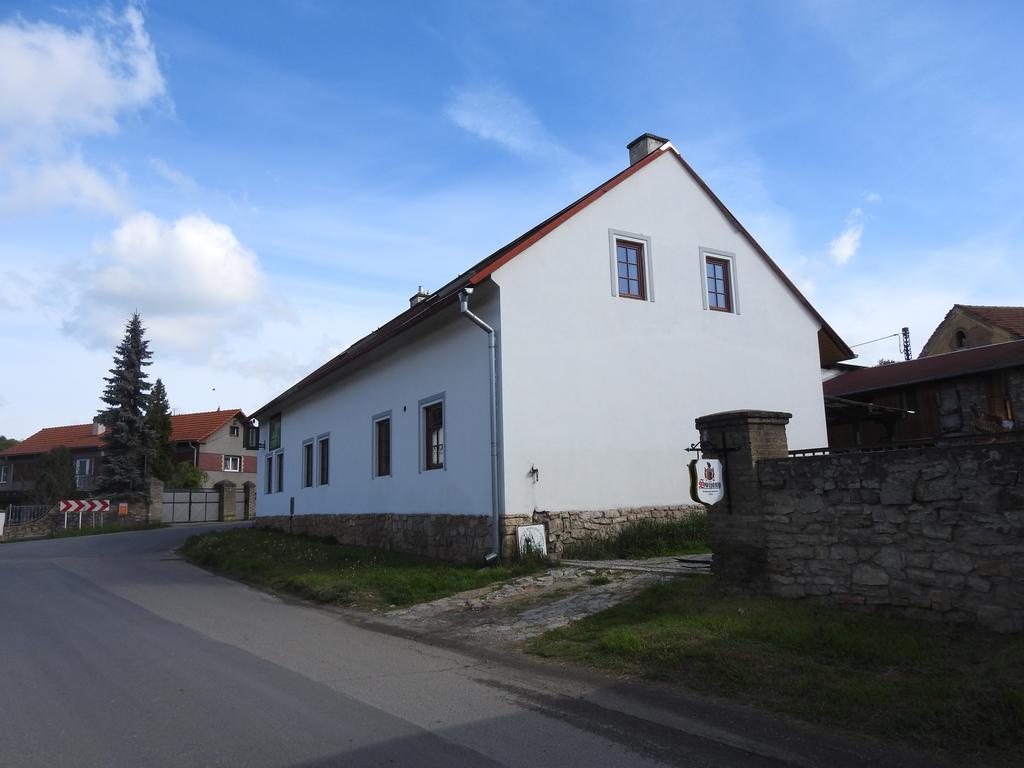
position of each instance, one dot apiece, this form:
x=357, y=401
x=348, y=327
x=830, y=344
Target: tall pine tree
x=158, y=418
x=127, y=437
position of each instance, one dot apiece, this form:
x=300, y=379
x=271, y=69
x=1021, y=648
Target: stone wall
x=52, y=523
x=458, y=538
x=565, y=529
x=932, y=532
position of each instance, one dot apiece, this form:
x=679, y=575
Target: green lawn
x=943, y=688
x=647, y=538
x=327, y=572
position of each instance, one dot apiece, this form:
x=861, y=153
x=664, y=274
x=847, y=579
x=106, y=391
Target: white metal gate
x=196, y=505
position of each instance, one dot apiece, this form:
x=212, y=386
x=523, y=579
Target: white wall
x=447, y=354
x=600, y=393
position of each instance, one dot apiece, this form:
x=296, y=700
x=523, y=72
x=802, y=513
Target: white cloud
x=846, y=244
x=180, y=180
x=495, y=114
x=195, y=284
x=67, y=182
x=873, y=197
x=57, y=82
x=59, y=85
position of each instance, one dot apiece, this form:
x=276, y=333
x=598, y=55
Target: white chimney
x=642, y=146
x=417, y=297
x=97, y=427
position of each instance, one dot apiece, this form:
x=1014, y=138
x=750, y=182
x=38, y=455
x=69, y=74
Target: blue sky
x=267, y=187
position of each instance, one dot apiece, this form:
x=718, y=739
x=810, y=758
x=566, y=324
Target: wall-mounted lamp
x=534, y=474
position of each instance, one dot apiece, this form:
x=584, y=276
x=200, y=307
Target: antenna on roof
x=907, y=354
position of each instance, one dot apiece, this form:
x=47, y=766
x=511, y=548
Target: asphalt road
x=114, y=652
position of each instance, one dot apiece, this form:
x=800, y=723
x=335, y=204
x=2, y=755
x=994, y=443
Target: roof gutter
x=492, y=353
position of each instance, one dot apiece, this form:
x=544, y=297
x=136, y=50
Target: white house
x=617, y=321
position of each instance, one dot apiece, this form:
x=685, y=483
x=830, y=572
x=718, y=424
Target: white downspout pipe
x=492, y=350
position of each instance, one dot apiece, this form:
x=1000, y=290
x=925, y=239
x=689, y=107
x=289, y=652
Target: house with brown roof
x=560, y=374
x=970, y=391
x=210, y=440
x=967, y=326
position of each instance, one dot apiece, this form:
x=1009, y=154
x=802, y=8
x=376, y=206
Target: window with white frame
x=631, y=266
x=279, y=472
x=5, y=474
x=234, y=430
x=232, y=463
x=718, y=281
x=268, y=481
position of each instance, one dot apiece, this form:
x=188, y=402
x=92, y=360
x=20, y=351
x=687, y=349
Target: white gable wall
x=447, y=354
x=599, y=392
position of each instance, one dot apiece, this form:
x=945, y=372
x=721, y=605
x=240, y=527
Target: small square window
x=234, y=430
x=719, y=283
x=629, y=264
x=433, y=423
x=232, y=463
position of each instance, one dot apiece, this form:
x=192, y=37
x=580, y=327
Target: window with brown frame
x=433, y=422
x=629, y=258
x=719, y=284
x=382, y=438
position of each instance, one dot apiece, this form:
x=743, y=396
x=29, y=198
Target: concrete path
x=114, y=652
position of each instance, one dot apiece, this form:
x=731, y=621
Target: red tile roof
x=189, y=427
x=937, y=367
x=185, y=427
x=476, y=274
x=1010, y=318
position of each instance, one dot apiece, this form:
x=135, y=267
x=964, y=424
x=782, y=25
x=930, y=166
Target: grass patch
x=943, y=688
x=647, y=538
x=327, y=572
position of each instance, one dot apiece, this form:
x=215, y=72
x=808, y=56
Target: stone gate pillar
x=740, y=439
x=226, y=500
x=249, y=489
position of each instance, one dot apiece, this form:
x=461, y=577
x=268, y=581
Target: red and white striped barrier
x=85, y=505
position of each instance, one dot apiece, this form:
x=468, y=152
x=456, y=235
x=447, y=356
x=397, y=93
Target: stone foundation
x=456, y=538
x=565, y=529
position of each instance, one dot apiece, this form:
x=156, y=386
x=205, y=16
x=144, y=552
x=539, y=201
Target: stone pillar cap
x=741, y=417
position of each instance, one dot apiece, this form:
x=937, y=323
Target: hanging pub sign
x=707, y=483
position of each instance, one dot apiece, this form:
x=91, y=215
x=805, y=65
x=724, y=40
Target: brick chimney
x=642, y=146
x=417, y=297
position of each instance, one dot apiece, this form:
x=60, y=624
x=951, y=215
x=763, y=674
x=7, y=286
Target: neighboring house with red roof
x=617, y=321
x=211, y=440
x=971, y=391
x=967, y=326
